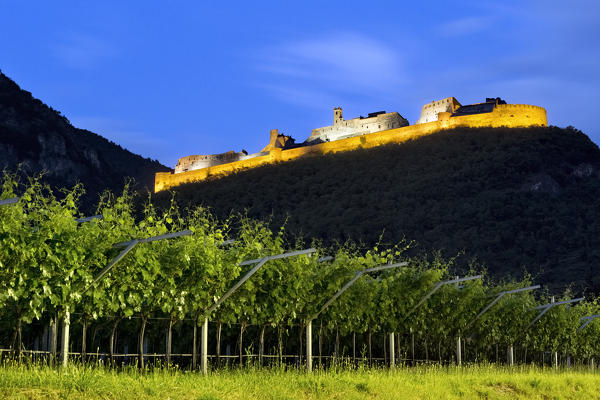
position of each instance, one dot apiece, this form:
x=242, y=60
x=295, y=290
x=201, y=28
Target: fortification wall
x=508, y=115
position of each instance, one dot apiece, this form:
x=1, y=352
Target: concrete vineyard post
x=458, y=352
x=510, y=355
x=204, y=347
x=392, y=349
x=65, y=338
x=309, y=346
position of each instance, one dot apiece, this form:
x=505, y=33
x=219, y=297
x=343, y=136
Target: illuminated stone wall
x=510, y=115
x=203, y=161
x=430, y=111
x=504, y=115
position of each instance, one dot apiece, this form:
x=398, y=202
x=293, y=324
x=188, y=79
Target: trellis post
x=458, y=352
x=510, y=355
x=309, y=345
x=204, y=347
x=588, y=319
x=6, y=202
x=392, y=350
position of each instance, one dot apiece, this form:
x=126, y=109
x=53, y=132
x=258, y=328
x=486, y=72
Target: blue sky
x=169, y=79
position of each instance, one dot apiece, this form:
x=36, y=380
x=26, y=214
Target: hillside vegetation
x=35, y=138
x=512, y=199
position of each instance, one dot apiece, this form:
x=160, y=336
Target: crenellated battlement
x=520, y=106
x=436, y=116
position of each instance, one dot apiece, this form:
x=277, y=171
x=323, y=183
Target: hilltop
x=514, y=199
x=39, y=139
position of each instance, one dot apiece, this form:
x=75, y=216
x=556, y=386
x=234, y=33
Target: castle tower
x=337, y=115
x=273, y=136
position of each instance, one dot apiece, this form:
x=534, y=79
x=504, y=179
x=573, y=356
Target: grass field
x=36, y=382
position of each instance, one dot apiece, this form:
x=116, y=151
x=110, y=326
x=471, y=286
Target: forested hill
x=40, y=139
x=514, y=199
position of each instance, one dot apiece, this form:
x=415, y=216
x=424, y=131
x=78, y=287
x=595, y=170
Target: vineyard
x=145, y=286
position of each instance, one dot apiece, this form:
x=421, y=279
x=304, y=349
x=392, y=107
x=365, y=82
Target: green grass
x=489, y=382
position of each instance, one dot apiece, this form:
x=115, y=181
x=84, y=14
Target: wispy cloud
x=302, y=96
x=82, y=51
x=322, y=69
x=465, y=26
x=345, y=58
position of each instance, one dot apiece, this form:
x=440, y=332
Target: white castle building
x=430, y=111
x=374, y=122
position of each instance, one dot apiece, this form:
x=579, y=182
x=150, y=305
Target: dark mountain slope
x=38, y=138
x=512, y=198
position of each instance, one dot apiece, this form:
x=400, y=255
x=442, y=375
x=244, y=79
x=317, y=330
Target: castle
x=376, y=129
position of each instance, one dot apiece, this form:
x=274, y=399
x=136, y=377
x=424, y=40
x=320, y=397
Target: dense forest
x=514, y=200
x=35, y=138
